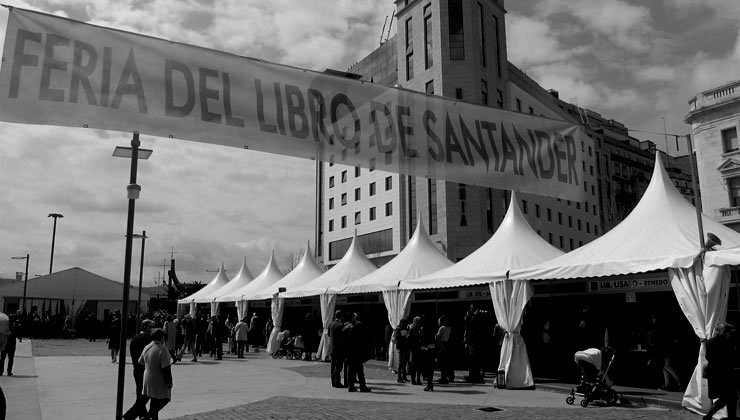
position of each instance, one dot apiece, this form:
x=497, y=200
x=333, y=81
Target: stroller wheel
x=289, y=356
x=275, y=355
x=611, y=397
x=584, y=403
x=570, y=399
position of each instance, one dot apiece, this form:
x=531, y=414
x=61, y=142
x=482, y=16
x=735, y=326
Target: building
x=714, y=116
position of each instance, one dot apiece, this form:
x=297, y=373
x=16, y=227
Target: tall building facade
x=714, y=116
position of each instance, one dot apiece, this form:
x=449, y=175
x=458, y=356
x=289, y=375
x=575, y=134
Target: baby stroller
x=287, y=349
x=593, y=384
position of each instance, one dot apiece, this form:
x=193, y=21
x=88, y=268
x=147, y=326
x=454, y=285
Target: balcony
x=729, y=215
x=716, y=96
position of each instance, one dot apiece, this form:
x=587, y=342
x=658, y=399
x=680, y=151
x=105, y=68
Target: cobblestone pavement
x=322, y=370
x=69, y=347
x=312, y=408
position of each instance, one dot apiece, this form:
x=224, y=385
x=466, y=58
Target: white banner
x=57, y=71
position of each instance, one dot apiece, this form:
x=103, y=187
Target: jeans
x=139, y=407
x=356, y=370
x=9, y=352
x=337, y=361
x=241, y=344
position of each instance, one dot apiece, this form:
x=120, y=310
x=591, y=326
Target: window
x=388, y=183
x=570, y=242
x=344, y=177
x=372, y=213
x=331, y=182
x=531, y=110
x=372, y=189
x=729, y=140
x=455, y=23
x=549, y=237
x=537, y=210
x=733, y=185
x=596, y=230
x=463, y=220
x=560, y=218
x=498, y=46
x=570, y=221
x=409, y=50
x=458, y=93
x=586, y=207
x=482, y=35
x=500, y=100
x=518, y=105
x=549, y=215
x=357, y=171
x=371, y=243
x=344, y=221
x=389, y=209
x=357, y=218
x=409, y=66
x=579, y=224
x=561, y=241
x=593, y=190
x=357, y=194
x=484, y=92
x=344, y=199
x=331, y=225
x=429, y=87
x=588, y=227
x=578, y=205
x=428, y=43
x=461, y=192
x=432, y=197
x=524, y=206
x=331, y=203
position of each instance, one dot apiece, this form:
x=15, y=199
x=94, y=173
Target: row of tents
x=661, y=233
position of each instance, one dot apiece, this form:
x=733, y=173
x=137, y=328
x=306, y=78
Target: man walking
x=337, y=349
x=241, y=335
x=356, y=347
x=140, y=340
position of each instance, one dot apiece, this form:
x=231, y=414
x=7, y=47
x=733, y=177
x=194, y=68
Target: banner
x=58, y=71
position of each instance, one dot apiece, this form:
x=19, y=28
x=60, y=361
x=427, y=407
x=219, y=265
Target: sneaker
x=10, y=373
x=352, y=389
x=428, y=389
x=365, y=390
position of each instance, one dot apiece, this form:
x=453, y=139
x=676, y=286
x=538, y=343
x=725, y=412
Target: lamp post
x=133, y=190
x=53, y=237
x=141, y=270
x=25, y=283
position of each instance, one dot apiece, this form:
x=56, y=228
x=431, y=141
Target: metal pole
x=697, y=206
x=126, y=278
x=53, y=238
x=25, y=284
x=141, y=272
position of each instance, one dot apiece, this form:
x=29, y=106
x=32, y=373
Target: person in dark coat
x=415, y=340
x=428, y=351
x=9, y=351
x=114, y=336
x=353, y=334
x=721, y=370
x=218, y=331
x=140, y=340
x=400, y=338
x=337, y=349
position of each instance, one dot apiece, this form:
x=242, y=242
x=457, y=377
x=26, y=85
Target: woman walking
x=157, y=374
x=170, y=329
x=444, y=356
x=400, y=338
x=721, y=370
x=114, y=337
x=414, y=341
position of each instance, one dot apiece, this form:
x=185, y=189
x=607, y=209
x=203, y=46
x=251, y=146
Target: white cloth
x=181, y=310
x=276, y=309
x=702, y=293
x=155, y=358
x=241, y=309
x=509, y=299
x=214, y=308
x=592, y=356
x=397, y=304
x=328, y=304
x=194, y=310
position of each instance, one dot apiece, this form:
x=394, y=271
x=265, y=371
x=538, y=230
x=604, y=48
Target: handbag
x=705, y=371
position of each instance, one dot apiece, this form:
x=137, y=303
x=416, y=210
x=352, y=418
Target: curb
x=654, y=401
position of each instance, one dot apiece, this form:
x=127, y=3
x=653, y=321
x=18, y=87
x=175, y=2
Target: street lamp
x=53, y=237
x=133, y=190
x=141, y=268
x=25, y=282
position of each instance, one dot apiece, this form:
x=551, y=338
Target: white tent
x=514, y=245
x=353, y=266
x=241, y=279
x=660, y=233
x=270, y=274
x=218, y=281
x=304, y=272
x=418, y=258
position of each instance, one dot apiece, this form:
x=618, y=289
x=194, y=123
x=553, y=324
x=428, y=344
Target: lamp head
x=133, y=191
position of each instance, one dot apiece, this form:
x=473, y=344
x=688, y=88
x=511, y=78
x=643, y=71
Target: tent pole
x=697, y=205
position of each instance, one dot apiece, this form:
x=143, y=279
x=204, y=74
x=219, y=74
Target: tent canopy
x=660, y=232
x=271, y=274
x=242, y=278
x=73, y=283
x=351, y=267
x=201, y=296
x=514, y=245
x=304, y=272
x=418, y=258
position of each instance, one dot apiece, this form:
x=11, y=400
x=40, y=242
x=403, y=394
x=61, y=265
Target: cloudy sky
x=633, y=61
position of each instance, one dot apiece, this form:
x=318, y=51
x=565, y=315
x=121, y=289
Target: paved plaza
x=75, y=379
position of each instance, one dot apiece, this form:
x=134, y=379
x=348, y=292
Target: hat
x=712, y=240
x=147, y=323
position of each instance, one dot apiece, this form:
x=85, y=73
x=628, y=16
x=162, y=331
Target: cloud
x=655, y=74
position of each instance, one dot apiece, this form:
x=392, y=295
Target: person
x=219, y=333
x=10, y=343
x=255, y=329
x=720, y=370
x=170, y=330
x=189, y=337
x=136, y=347
x=444, y=355
x=414, y=341
x=241, y=334
x=355, y=349
x=230, y=330
x=400, y=339
x=660, y=354
x=308, y=333
x=267, y=331
x=473, y=339
x=114, y=336
x=428, y=350
x=337, y=349
x=157, y=374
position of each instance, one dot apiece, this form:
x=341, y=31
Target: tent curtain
x=181, y=310
x=397, y=305
x=328, y=303
x=242, y=309
x=276, y=309
x=509, y=299
x=193, y=310
x=214, y=308
x=702, y=293
x=73, y=307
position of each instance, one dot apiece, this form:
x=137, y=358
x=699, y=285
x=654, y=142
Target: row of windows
x=370, y=243
x=371, y=214
x=388, y=180
x=561, y=241
x=358, y=192
x=579, y=223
